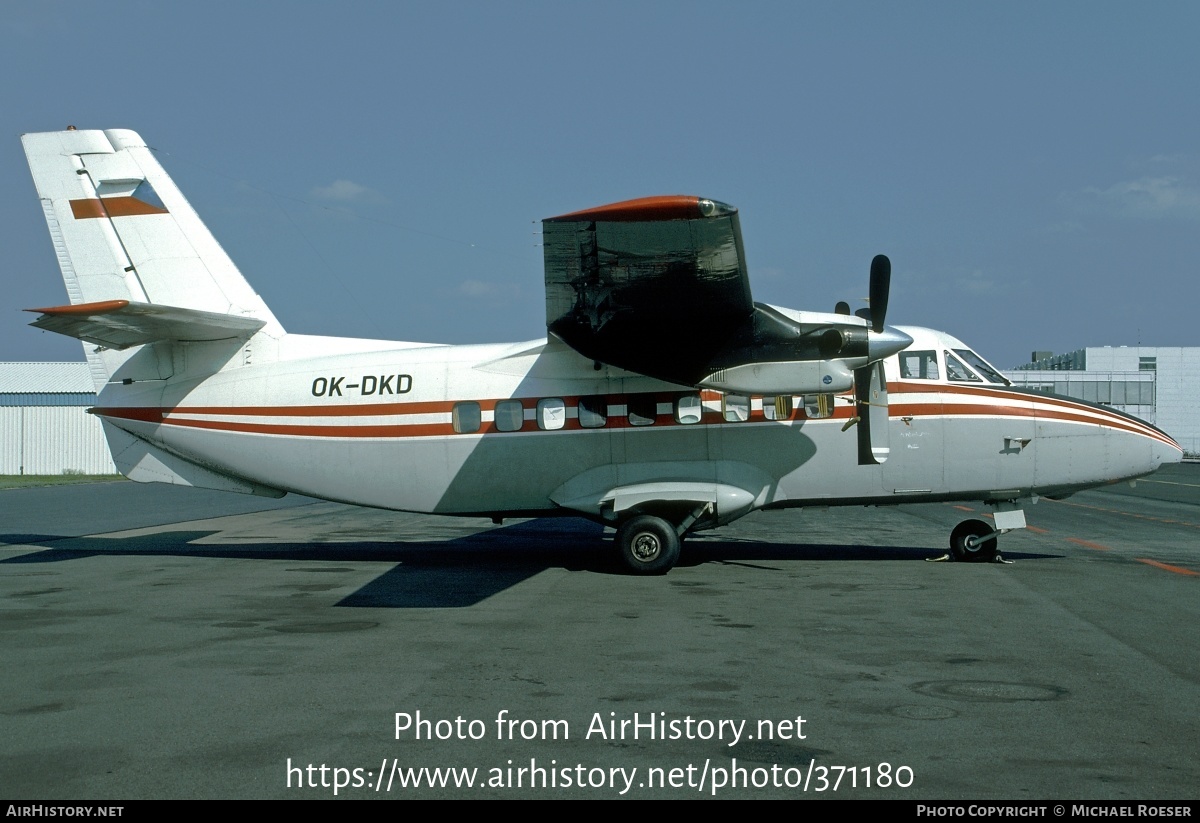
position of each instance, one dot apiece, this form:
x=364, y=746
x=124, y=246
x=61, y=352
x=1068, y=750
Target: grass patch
x=25, y=481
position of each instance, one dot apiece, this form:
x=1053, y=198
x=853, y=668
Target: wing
x=659, y=286
x=656, y=286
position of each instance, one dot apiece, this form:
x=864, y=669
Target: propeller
x=870, y=384
x=881, y=284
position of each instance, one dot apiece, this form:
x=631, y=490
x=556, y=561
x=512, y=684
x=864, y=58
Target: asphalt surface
x=160, y=642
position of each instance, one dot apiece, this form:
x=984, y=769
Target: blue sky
x=378, y=169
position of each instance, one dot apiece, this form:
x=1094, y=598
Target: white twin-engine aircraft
x=663, y=401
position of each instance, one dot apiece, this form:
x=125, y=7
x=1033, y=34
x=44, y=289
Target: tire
x=984, y=552
x=648, y=544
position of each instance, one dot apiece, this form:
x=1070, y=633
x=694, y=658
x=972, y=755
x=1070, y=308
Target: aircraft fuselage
x=535, y=428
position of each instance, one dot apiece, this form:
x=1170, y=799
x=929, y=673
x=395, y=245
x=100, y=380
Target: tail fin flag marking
x=123, y=231
x=113, y=207
x=127, y=230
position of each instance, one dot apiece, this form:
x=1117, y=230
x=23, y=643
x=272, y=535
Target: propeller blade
x=871, y=414
x=842, y=307
x=862, y=411
x=881, y=283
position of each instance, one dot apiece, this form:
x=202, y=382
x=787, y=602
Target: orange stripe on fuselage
x=1061, y=408
x=1051, y=408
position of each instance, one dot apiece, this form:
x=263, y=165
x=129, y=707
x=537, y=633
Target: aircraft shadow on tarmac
x=461, y=571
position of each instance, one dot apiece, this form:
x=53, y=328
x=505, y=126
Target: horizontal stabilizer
x=119, y=324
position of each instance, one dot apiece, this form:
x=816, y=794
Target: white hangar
x=1159, y=384
x=44, y=424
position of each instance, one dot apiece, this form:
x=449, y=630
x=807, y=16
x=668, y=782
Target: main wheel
x=965, y=542
x=648, y=544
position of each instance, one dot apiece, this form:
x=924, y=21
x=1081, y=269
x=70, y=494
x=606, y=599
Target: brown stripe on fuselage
x=1053, y=408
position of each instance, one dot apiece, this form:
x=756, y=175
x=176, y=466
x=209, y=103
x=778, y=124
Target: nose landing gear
x=974, y=541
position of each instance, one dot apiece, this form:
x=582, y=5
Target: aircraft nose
x=1164, y=454
x=886, y=343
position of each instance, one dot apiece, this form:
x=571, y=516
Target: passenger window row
x=594, y=412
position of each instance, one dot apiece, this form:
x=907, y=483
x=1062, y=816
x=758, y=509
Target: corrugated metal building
x=44, y=427
x=1160, y=384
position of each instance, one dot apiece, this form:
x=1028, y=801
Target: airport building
x=1159, y=384
x=44, y=424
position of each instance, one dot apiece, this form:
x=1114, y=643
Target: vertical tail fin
x=122, y=231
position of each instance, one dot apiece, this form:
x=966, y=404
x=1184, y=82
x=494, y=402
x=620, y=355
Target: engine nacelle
x=789, y=377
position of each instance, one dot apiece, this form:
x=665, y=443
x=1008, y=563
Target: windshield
x=982, y=367
x=958, y=372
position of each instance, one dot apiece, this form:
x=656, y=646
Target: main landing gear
x=648, y=544
x=648, y=538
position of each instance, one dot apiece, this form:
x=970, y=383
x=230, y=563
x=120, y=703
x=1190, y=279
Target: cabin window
x=777, y=408
x=551, y=413
x=689, y=409
x=957, y=371
x=593, y=412
x=818, y=406
x=643, y=409
x=466, y=417
x=919, y=365
x=510, y=415
x=735, y=408
x=981, y=366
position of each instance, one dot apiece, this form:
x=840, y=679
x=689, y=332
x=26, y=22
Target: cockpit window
x=957, y=372
x=919, y=365
x=982, y=367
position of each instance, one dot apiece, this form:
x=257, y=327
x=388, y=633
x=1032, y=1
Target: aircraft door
x=915, y=463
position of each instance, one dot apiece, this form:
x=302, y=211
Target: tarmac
x=162, y=642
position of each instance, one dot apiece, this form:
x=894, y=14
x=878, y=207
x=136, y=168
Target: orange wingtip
x=665, y=207
x=103, y=307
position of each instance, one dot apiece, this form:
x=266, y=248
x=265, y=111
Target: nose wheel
x=974, y=541
x=648, y=544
